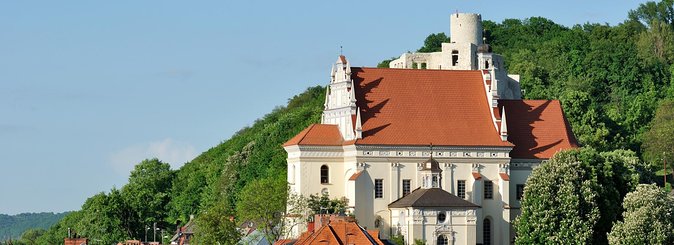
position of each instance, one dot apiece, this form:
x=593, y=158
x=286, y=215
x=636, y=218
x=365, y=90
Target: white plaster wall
x=465, y=28
x=395, y=165
x=420, y=223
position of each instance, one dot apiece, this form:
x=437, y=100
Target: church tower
x=340, y=101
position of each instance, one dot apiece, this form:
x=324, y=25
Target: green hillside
x=215, y=175
x=12, y=226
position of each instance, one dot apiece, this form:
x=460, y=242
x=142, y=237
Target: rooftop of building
x=415, y=107
x=339, y=230
x=431, y=197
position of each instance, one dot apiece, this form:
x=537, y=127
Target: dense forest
x=615, y=83
x=12, y=226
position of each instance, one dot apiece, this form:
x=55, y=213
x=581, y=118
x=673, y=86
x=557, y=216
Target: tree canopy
x=575, y=197
x=648, y=218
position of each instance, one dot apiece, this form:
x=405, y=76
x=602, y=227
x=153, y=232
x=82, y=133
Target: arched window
x=486, y=232
x=325, y=173
x=442, y=240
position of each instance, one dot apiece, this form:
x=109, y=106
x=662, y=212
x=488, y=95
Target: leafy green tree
x=106, y=218
x=324, y=205
x=397, y=239
x=30, y=236
x=560, y=204
x=648, y=218
x=647, y=12
x=578, y=189
x=216, y=225
x=385, y=63
x=433, y=43
x=659, y=139
x=58, y=231
x=657, y=43
x=147, y=195
x=198, y=183
x=263, y=202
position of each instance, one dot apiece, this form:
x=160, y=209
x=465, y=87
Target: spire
x=352, y=94
x=504, y=125
x=327, y=95
x=494, y=85
x=332, y=72
x=359, y=125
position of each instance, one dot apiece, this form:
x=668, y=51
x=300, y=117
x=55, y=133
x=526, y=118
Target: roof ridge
x=334, y=233
x=305, y=135
x=410, y=69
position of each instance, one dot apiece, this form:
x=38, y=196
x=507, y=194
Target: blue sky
x=90, y=88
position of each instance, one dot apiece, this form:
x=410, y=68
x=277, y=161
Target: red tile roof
x=538, y=128
x=338, y=232
x=420, y=107
x=317, y=134
x=444, y=107
x=284, y=241
x=504, y=176
x=355, y=175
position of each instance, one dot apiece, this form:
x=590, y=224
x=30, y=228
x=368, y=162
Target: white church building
x=437, y=147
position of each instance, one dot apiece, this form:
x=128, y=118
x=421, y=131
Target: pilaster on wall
x=395, y=182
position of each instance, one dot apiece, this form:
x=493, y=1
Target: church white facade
x=437, y=147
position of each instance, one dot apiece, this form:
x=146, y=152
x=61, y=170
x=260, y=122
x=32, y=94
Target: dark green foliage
x=106, y=217
x=397, y=240
x=659, y=139
x=208, y=186
x=195, y=183
x=214, y=225
x=58, y=231
x=433, y=43
x=12, y=226
x=384, y=63
x=147, y=194
x=121, y=214
x=30, y=236
x=263, y=202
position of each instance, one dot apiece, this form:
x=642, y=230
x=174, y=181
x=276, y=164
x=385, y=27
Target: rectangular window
x=461, y=188
x=378, y=188
x=488, y=190
x=406, y=187
x=520, y=191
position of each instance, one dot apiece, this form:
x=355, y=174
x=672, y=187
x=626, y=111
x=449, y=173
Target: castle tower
x=465, y=28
